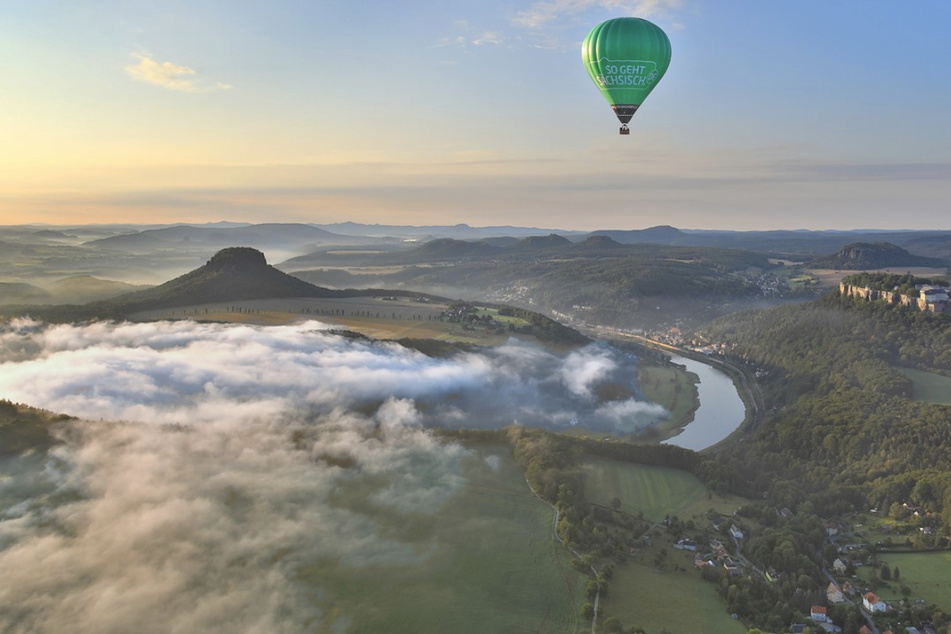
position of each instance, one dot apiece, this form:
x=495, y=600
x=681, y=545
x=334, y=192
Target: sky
x=812, y=114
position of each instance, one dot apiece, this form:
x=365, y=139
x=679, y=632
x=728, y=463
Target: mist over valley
x=423, y=430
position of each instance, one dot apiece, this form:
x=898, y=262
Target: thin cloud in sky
x=543, y=13
x=169, y=75
x=489, y=37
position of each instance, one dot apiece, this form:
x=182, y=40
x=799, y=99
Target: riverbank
x=739, y=379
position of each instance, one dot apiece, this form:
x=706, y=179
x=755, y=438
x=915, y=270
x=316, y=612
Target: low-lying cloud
x=190, y=373
x=218, y=462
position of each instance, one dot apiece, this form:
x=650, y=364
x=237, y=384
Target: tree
x=897, y=574
x=587, y=610
x=886, y=572
x=592, y=589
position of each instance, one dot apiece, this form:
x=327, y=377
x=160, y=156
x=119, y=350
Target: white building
x=872, y=603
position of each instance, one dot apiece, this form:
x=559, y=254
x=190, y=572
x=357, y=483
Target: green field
x=487, y=563
x=655, y=491
x=674, y=388
x=373, y=316
x=928, y=574
x=675, y=598
x=929, y=387
x=679, y=601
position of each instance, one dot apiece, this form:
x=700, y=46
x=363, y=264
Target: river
x=720, y=412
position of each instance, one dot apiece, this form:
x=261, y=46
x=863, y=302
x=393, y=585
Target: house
x=848, y=588
x=839, y=566
x=872, y=603
x=833, y=594
x=864, y=630
x=818, y=613
x=736, y=532
x=686, y=544
x=732, y=568
x=832, y=528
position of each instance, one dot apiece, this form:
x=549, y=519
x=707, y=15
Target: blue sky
x=816, y=114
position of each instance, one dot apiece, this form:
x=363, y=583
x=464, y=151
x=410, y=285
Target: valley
x=409, y=420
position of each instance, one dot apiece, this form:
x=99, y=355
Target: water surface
x=720, y=412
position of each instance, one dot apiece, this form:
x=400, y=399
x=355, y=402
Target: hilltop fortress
x=926, y=297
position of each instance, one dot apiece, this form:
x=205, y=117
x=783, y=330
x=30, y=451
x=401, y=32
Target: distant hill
x=599, y=243
x=81, y=289
x=21, y=293
x=232, y=274
x=235, y=273
x=457, y=232
x=936, y=246
x=284, y=236
x=663, y=234
x=439, y=250
x=863, y=256
x=542, y=243
x=451, y=249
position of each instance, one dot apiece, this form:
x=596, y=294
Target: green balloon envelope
x=625, y=58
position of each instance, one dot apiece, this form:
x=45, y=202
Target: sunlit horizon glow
x=476, y=113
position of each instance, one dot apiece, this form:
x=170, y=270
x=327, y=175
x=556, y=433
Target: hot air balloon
x=625, y=58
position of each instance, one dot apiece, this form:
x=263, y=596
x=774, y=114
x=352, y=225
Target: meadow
x=487, y=562
x=373, y=316
x=929, y=387
x=673, y=600
x=926, y=574
x=672, y=596
x=674, y=388
x=653, y=491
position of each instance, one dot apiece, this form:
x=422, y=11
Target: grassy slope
x=678, y=600
x=674, y=388
x=929, y=387
x=656, y=491
x=928, y=574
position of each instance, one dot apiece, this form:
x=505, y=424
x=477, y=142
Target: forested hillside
x=598, y=280
x=860, y=256
x=842, y=431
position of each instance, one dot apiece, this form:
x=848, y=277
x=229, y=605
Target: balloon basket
x=625, y=129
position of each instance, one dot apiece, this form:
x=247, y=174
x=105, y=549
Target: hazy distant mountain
x=21, y=293
x=936, y=246
x=862, y=256
x=81, y=289
x=663, y=234
x=235, y=273
x=261, y=236
x=458, y=232
x=542, y=243
x=450, y=249
x=438, y=250
x=599, y=243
